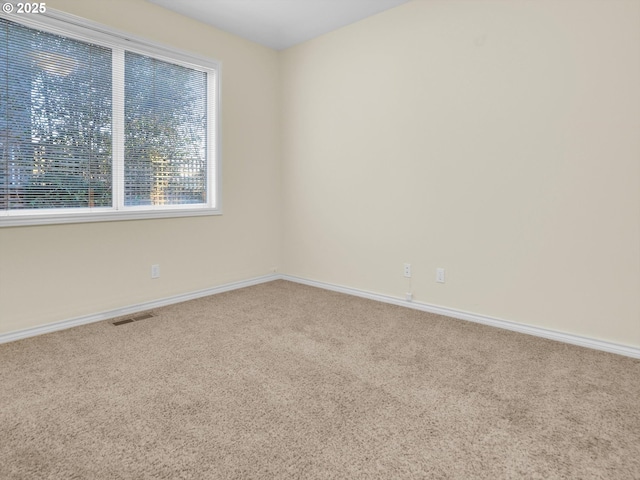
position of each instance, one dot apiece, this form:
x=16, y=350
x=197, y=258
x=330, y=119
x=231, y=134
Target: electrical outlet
x=407, y=270
x=408, y=296
x=155, y=271
x=440, y=275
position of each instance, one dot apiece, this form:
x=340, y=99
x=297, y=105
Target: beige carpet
x=286, y=381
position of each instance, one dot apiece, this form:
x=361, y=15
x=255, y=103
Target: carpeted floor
x=282, y=380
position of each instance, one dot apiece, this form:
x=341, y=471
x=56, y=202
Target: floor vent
x=142, y=316
x=122, y=322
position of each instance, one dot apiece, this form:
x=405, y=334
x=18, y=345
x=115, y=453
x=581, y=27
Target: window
x=95, y=126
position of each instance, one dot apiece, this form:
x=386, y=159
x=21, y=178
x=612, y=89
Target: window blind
x=165, y=133
x=100, y=126
x=55, y=121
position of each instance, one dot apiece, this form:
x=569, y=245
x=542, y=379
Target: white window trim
x=78, y=28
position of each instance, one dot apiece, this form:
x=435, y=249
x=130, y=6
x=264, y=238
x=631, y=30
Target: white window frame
x=78, y=28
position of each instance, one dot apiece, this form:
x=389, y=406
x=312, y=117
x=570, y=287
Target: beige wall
x=53, y=273
x=497, y=139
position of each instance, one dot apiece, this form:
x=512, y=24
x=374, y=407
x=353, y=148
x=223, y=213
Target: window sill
x=106, y=216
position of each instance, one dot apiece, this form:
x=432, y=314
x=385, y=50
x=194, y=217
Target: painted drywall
x=54, y=273
x=496, y=139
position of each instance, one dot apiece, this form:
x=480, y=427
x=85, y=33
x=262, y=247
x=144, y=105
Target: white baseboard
x=625, y=350
x=118, y=312
x=596, y=344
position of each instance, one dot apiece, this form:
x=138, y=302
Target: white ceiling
x=278, y=24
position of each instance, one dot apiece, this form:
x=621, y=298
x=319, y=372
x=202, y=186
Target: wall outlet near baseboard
x=408, y=297
x=155, y=271
x=440, y=275
x=407, y=270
